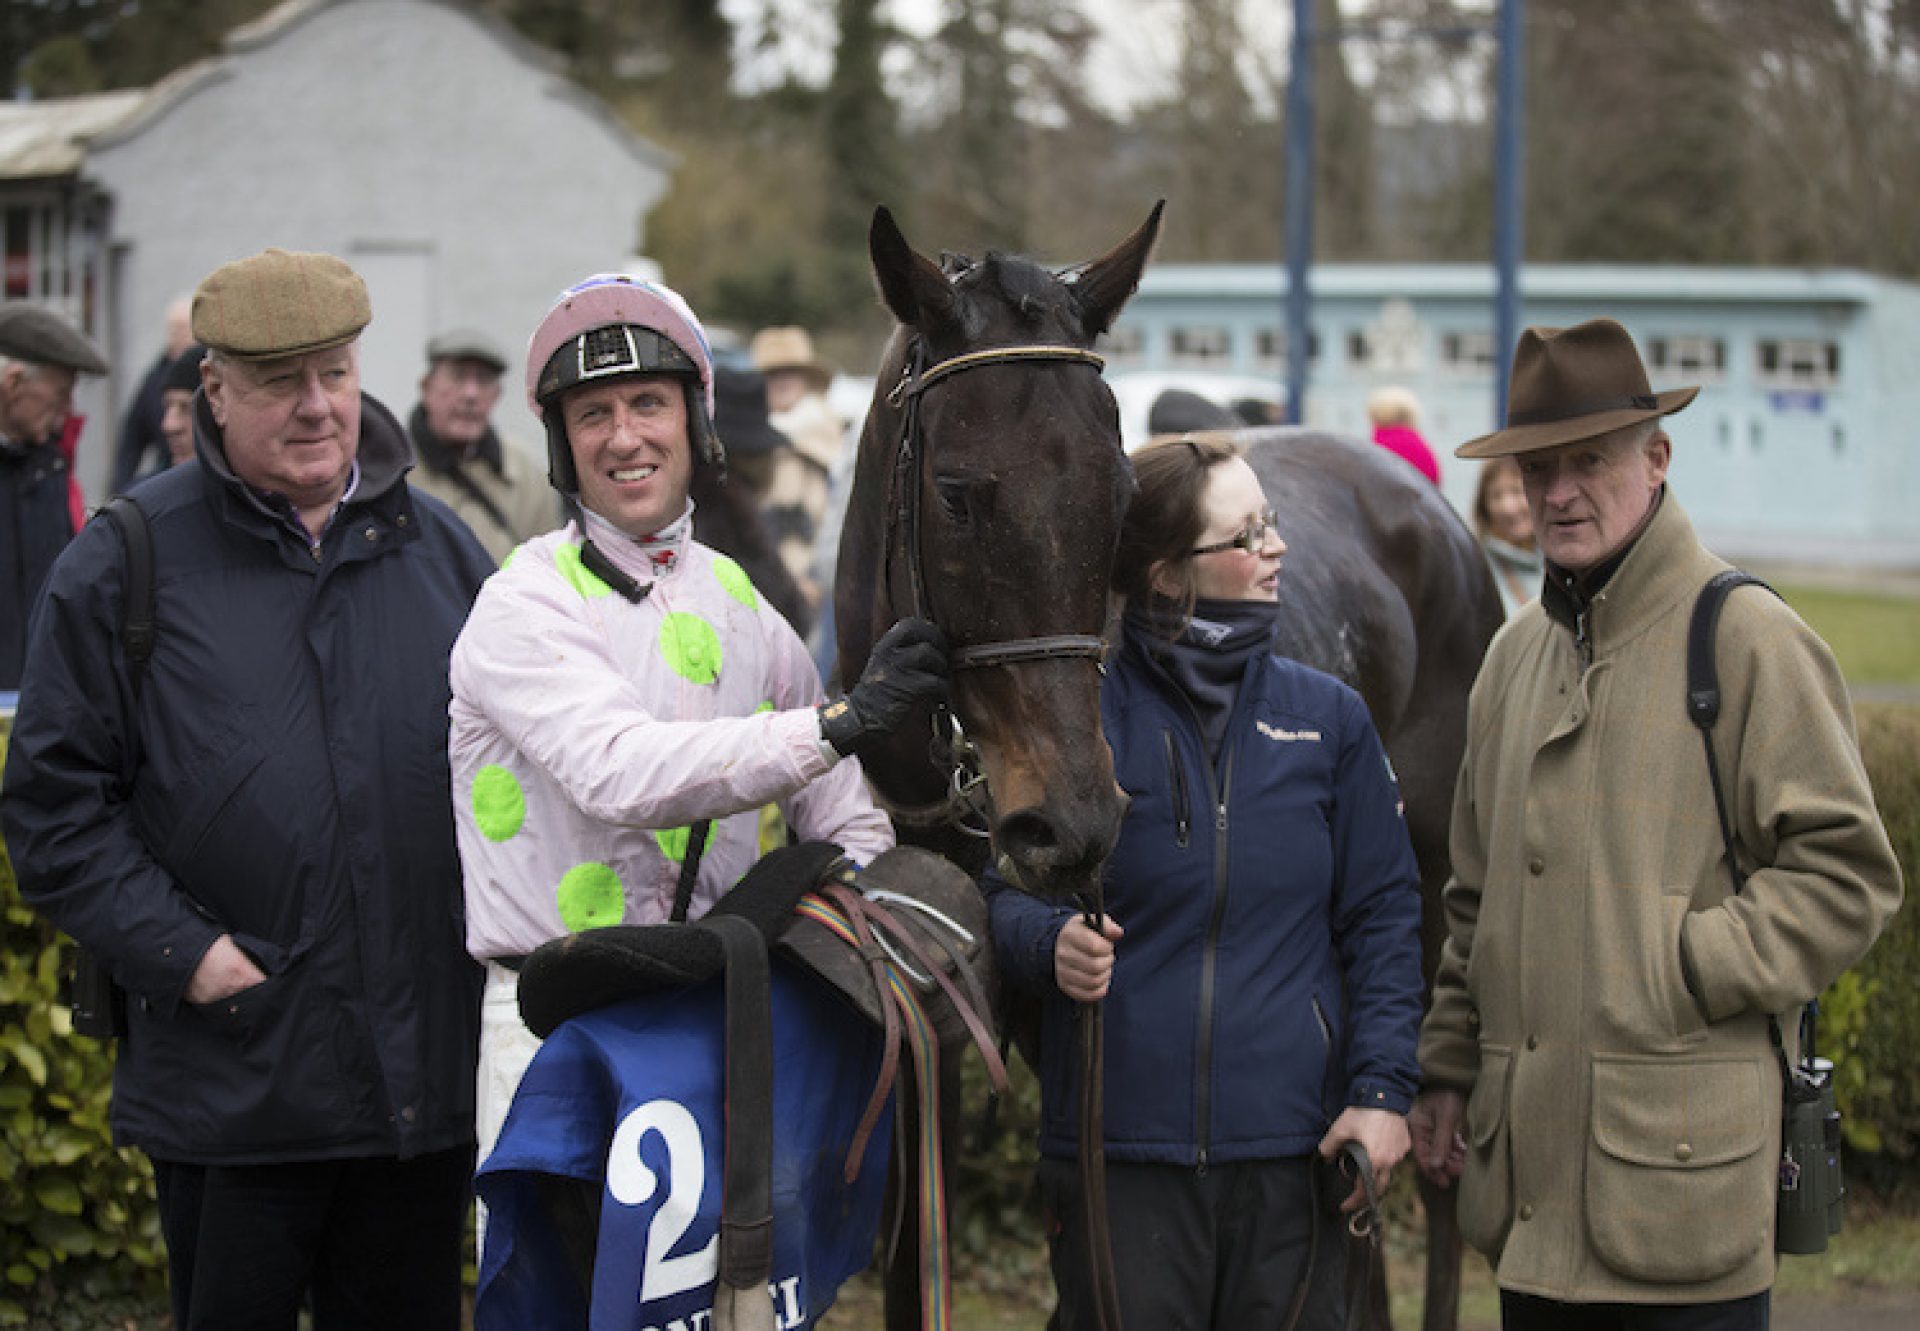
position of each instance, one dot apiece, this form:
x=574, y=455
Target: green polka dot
x=590, y=897
x=766, y=706
x=735, y=581
x=566, y=558
x=510, y=554
x=499, y=805
x=673, y=842
x=690, y=647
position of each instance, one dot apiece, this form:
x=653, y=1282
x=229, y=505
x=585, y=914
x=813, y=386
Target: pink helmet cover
x=606, y=299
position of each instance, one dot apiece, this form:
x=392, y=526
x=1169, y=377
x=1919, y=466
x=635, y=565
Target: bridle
x=916, y=377
x=968, y=803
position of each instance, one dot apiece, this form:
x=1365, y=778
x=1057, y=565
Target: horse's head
x=992, y=484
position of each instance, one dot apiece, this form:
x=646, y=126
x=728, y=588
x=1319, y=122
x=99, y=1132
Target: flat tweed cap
x=280, y=303
x=1570, y=384
x=29, y=332
x=467, y=344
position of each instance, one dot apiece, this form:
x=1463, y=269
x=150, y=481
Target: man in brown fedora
x=1598, y=1067
x=253, y=830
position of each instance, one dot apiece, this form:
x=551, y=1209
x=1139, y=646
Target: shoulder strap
x=1703, y=709
x=1703, y=690
x=136, y=620
x=457, y=473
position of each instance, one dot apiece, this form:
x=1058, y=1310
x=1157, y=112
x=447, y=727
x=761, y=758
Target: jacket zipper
x=1208, y=958
x=1326, y=1038
x=1182, y=814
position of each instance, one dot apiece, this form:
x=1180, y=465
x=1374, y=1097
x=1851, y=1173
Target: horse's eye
x=953, y=498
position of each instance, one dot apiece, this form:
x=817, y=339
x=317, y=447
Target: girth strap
x=746, y=1206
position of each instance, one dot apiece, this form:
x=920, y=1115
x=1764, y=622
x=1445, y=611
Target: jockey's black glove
x=908, y=667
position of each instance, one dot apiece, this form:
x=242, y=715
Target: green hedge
x=1871, y=1017
x=76, y=1215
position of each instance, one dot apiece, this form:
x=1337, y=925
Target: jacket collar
x=1627, y=593
x=383, y=460
x=437, y=456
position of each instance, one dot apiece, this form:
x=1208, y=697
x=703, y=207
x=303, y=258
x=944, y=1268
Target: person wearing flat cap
x=40, y=356
x=253, y=832
x=494, y=487
x=1602, y=1067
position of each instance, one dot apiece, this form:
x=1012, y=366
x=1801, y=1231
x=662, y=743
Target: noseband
x=916, y=378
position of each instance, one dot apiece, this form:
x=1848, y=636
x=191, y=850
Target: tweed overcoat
x=1603, y=993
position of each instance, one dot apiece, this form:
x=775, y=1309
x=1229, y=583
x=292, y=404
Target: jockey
x=623, y=700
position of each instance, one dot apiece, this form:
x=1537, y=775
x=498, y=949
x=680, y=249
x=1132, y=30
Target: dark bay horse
x=987, y=497
x=998, y=522
x=1384, y=587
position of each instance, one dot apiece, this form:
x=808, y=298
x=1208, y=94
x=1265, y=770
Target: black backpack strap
x=1703, y=709
x=1703, y=689
x=99, y=1004
x=136, y=620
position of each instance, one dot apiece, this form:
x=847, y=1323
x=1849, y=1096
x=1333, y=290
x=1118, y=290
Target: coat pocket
x=1485, y=1206
x=1678, y=1187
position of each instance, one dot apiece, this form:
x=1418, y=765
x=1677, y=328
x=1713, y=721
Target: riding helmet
x=612, y=325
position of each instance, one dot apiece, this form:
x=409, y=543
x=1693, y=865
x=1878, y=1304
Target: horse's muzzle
x=1056, y=851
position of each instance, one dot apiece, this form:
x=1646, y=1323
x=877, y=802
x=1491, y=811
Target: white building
x=1804, y=443
x=444, y=157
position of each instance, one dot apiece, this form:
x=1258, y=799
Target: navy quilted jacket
x=1270, y=972
x=282, y=777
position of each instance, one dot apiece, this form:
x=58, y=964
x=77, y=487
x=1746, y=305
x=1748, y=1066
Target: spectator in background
x=1183, y=411
x=143, y=435
x=1395, y=414
x=1505, y=528
x=497, y=490
x=795, y=497
x=257, y=841
x=41, y=354
x=182, y=381
x=729, y=508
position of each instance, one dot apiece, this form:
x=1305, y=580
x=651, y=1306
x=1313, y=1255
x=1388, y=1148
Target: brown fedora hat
x=1570, y=384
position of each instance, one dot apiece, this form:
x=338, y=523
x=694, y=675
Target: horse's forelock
x=1029, y=290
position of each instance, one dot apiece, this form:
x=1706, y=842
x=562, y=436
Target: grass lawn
x=1875, y=636
x=1874, y=1252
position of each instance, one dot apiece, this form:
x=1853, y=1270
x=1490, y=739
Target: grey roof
x=50, y=138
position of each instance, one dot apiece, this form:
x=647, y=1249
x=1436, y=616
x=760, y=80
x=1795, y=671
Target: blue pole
x=1299, y=208
x=1508, y=197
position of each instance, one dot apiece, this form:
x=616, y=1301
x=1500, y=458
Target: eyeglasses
x=1252, y=537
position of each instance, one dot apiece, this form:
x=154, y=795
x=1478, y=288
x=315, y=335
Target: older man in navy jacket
x=255, y=832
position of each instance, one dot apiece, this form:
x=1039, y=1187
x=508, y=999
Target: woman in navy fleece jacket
x=1260, y=962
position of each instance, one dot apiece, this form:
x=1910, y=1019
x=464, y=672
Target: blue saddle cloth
x=629, y=1098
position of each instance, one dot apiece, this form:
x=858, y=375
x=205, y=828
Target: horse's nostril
x=1028, y=834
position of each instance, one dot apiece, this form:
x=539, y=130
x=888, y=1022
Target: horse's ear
x=914, y=288
x=1108, y=281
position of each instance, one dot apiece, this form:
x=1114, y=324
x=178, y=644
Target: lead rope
x=1093, y=1147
